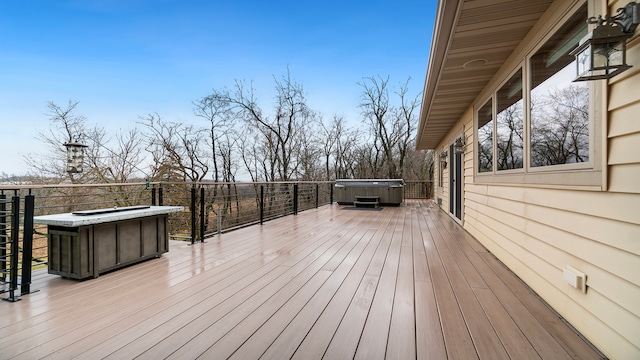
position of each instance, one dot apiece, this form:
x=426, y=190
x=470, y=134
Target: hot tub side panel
x=389, y=192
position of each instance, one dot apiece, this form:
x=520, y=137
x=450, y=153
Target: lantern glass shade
x=583, y=60
x=458, y=146
x=602, y=54
x=75, y=157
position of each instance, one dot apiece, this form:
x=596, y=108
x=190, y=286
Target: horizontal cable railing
x=209, y=208
x=418, y=189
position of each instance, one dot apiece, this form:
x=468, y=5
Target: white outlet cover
x=575, y=278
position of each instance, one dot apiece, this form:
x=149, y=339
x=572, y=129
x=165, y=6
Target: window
x=559, y=109
x=485, y=138
x=510, y=124
x=538, y=126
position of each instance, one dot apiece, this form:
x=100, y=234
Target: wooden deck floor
x=401, y=283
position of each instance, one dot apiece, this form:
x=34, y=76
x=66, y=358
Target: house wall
x=537, y=230
x=441, y=190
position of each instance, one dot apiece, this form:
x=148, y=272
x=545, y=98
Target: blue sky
x=122, y=59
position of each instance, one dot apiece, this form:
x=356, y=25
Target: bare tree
x=510, y=137
x=418, y=164
x=215, y=109
x=367, y=160
x=106, y=162
x=330, y=139
x=281, y=134
x=292, y=141
x=407, y=116
x=375, y=109
x=391, y=126
x=310, y=153
x=560, y=126
x=66, y=127
x=116, y=163
x=178, y=150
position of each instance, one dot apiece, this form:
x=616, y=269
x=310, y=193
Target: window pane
x=510, y=124
x=485, y=138
x=559, y=108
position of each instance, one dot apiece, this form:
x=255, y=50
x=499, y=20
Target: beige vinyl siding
x=624, y=127
x=442, y=190
x=624, y=120
x=538, y=231
x=467, y=160
x=621, y=149
x=625, y=178
x=537, y=239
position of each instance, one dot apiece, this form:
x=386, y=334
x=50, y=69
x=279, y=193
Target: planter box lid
x=103, y=216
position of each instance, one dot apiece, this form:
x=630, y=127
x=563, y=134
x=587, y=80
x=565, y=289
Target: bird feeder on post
x=75, y=156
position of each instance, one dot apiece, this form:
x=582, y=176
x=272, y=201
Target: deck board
x=429, y=336
x=463, y=278
x=457, y=339
x=373, y=342
x=402, y=282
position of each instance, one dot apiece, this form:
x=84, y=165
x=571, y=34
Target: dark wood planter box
x=85, y=251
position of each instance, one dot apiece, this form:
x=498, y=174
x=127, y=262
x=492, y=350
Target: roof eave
x=446, y=17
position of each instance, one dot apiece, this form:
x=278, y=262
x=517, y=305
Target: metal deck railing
x=209, y=209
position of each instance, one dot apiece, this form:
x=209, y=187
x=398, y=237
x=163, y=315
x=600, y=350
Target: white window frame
x=584, y=175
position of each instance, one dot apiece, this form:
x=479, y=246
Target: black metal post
x=295, y=199
x=202, y=214
x=3, y=235
x=13, y=267
x=193, y=214
x=331, y=193
x=261, y=204
x=153, y=196
x=160, y=196
x=317, y=194
x=27, y=245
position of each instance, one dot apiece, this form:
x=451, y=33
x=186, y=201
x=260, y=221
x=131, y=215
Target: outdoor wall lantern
x=75, y=156
x=458, y=146
x=443, y=159
x=603, y=53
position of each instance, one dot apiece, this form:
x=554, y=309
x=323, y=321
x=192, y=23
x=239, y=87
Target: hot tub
x=387, y=191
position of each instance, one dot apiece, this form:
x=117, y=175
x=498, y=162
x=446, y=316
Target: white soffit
x=471, y=41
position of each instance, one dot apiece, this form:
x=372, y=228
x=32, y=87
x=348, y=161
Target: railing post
x=193, y=214
x=3, y=235
x=261, y=204
x=13, y=267
x=317, y=194
x=160, y=196
x=202, y=214
x=295, y=199
x=27, y=245
x=153, y=196
x=331, y=194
